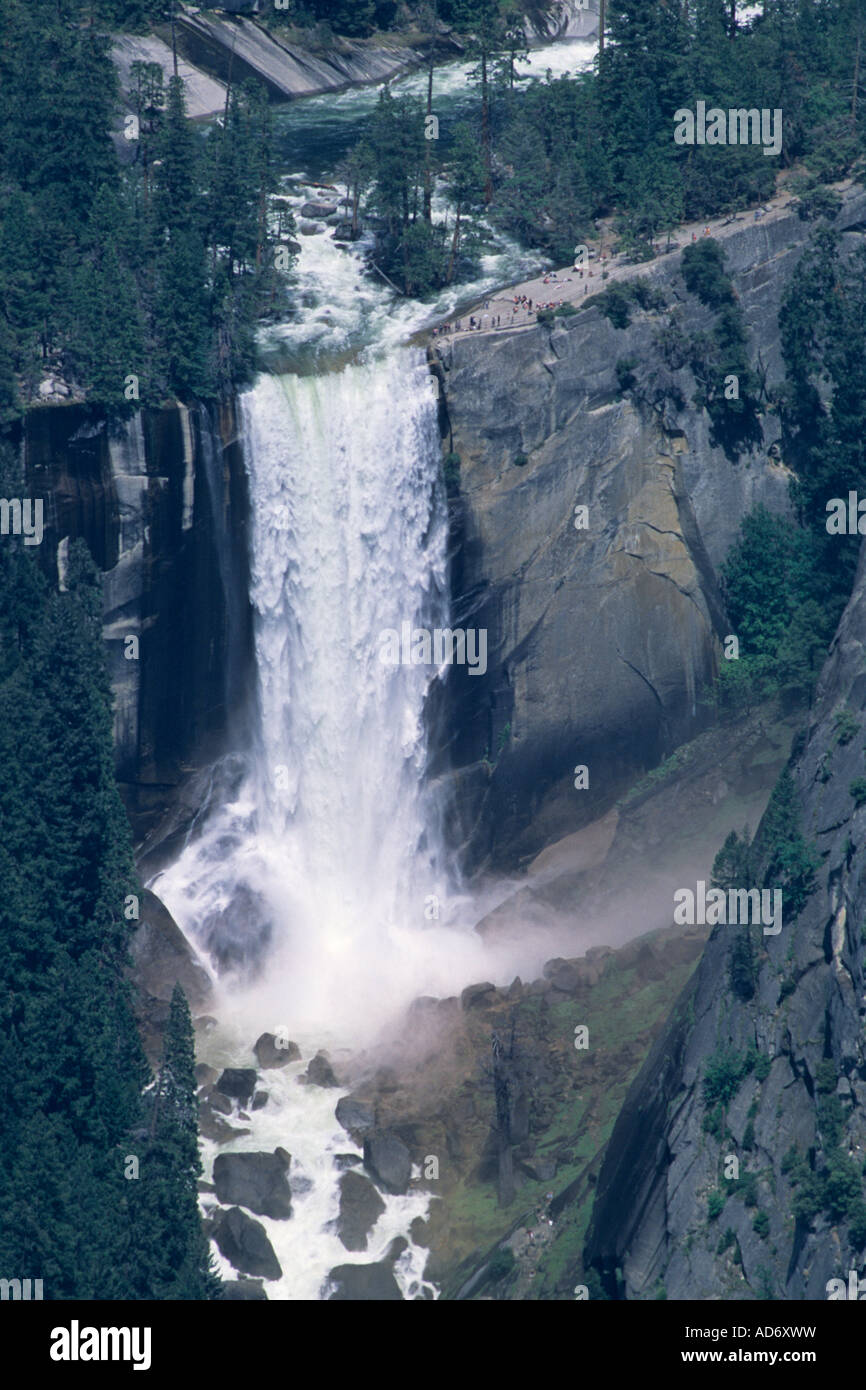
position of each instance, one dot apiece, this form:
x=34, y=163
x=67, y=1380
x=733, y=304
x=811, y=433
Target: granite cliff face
x=161, y=501
x=600, y=639
x=796, y=1120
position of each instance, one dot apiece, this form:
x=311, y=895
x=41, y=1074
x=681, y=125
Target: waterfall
x=308, y=888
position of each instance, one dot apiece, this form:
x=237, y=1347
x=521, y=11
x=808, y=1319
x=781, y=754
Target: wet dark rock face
x=161, y=501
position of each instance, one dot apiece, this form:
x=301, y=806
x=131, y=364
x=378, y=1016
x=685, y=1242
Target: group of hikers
x=522, y=306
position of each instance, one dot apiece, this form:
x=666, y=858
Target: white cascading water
x=325, y=859
x=317, y=889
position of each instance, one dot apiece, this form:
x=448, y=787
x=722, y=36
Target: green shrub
x=846, y=725
x=726, y=1241
x=789, y=1161
x=842, y=1187
x=451, y=469
x=725, y=1073
x=520, y=460
x=857, y=1224
x=715, y=1204
x=825, y=1076
x=762, y=1066
x=831, y=1121
x=615, y=304
x=703, y=266
x=743, y=974
x=761, y=1225
x=502, y=1264
x=565, y=311
x=858, y=790
x=625, y=377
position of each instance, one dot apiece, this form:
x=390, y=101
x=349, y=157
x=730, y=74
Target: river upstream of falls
x=325, y=867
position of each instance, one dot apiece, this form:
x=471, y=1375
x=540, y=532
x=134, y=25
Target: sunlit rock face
x=588, y=532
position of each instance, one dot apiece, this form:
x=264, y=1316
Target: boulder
x=364, y=1284
x=562, y=975
x=162, y=957
x=318, y=210
x=245, y=1290
x=310, y=228
x=216, y=1100
x=272, y=1052
x=354, y=1115
x=320, y=1071
x=540, y=1169
x=212, y=1125
x=360, y=1209
x=239, y=1083
x=260, y=1100
x=256, y=1181
x=388, y=1159
x=475, y=996
x=344, y=1161
x=205, y=1075
x=244, y=1244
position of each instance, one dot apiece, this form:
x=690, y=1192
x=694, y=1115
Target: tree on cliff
x=72, y=1070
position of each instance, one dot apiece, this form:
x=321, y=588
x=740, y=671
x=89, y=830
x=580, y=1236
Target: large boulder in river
x=244, y=1290
x=364, y=1284
x=320, y=1072
x=318, y=210
x=273, y=1050
x=360, y=1209
x=211, y=1125
x=355, y=1116
x=239, y=1083
x=256, y=1181
x=244, y=1243
x=388, y=1159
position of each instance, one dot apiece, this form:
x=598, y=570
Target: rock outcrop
x=161, y=500
x=256, y=1181
x=601, y=637
x=241, y=46
x=360, y=1209
x=244, y=1244
x=562, y=19
x=776, y=1082
x=364, y=1284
